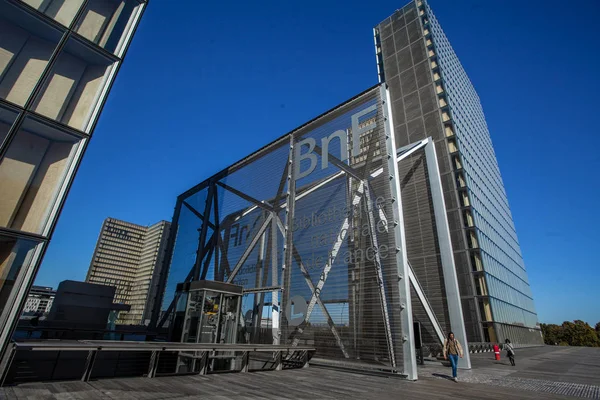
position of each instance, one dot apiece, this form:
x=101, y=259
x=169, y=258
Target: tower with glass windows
x=58, y=60
x=432, y=96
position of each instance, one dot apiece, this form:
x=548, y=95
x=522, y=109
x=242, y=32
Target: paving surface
x=540, y=373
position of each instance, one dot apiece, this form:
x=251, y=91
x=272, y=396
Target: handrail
x=156, y=348
x=109, y=345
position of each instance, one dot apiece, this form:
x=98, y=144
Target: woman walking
x=510, y=352
x=452, y=350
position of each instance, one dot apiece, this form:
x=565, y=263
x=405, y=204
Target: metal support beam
x=455, y=312
x=203, y=231
x=409, y=354
x=428, y=309
x=249, y=249
x=380, y=280
x=288, y=235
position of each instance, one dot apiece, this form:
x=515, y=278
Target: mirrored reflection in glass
x=105, y=22
x=14, y=254
x=31, y=173
x=26, y=45
x=7, y=117
x=71, y=91
x=62, y=11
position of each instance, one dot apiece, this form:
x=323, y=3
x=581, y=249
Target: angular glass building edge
x=432, y=96
x=58, y=60
x=311, y=227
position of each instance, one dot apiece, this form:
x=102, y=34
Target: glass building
x=432, y=96
x=58, y=60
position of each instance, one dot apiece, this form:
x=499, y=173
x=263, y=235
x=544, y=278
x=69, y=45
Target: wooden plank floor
x=488, y=380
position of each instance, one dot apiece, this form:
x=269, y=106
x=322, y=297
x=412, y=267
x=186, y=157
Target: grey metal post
x=245, y=361
x=278, y=361
x=288, y=234
x=446, y=253
x=203, y=363
x=89, y=365
x=153, y=364
x=406, y=319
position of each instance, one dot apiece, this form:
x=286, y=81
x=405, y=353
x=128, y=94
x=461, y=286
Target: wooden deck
x=536, y=378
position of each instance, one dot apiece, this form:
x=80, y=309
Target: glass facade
x=57, y=61
x=307, y=227
x=413, y=48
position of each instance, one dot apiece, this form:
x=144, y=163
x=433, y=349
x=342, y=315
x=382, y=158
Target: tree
x=579, y=333
x=598, y=329
x=552, y=333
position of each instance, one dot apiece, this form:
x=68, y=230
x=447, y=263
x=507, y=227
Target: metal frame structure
x=30, y=267
x=269, y=227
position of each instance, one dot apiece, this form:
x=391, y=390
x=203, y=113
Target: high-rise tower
x=130, y=257
x=432, y=96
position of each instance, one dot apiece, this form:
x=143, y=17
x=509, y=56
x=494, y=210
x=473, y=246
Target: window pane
x=105, y=22
x=7, y=117
x=71, y=90
x=26, y=45
x=30, y=174
x=62, y=11
x=14, y=253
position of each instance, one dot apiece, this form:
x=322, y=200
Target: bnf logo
x=343, y=138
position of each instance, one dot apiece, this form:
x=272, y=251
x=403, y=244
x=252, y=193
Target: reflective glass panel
x=31, y=173
x=14, y=254
x=72, y=89
x=7, y=117
x=26, y=45
x=62, y=11
x=106, y=22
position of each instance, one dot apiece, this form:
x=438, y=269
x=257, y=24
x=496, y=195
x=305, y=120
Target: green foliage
x=576, y=333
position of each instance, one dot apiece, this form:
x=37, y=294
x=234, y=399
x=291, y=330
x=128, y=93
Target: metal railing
x=203, y=353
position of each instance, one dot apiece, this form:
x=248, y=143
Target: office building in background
x=130, y=257
x=58, y=60
x=39, y=300
x=432, y=96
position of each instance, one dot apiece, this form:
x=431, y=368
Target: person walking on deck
x=452, y=351
x=510, y=351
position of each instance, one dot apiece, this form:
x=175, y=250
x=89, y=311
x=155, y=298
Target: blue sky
x=201, y=76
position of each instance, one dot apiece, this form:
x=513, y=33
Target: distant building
x=130, y=257
x=39, y=300
x=81, y=308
